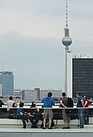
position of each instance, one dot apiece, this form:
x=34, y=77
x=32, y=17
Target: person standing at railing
x=66, y=118
x=86, y=110
x=80, y=105
x=10, y=102
x=48, y=114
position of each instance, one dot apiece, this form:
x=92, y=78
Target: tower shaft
x=66, y=41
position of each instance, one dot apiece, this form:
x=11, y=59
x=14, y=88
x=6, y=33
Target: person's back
x=80, y=100
x=87, y=102
x=64, y=100
x=10, y=102
x=66, y=118
x=86, y=110
x=48, y=102
x=80, y=105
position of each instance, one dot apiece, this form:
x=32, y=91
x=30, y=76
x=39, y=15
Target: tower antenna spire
x=66, y=13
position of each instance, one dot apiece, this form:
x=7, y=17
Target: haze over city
x=31, y=32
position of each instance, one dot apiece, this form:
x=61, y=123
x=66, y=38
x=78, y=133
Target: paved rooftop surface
x=87, y=128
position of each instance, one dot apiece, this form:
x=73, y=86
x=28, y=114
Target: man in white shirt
x=10, y=102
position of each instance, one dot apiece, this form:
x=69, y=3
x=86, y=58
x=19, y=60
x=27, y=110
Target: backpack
x=68, y=111
x=69, y=102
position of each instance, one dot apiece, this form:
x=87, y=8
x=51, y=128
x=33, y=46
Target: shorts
x=66, y=118
x=48, y=114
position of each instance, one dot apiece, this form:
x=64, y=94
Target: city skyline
x=31, y=32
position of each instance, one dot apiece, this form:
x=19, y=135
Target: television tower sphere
x=66, y=41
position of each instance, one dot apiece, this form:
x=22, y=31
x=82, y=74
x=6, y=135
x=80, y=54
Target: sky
x=31, y=33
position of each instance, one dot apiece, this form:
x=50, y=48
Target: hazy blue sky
x=30, y=39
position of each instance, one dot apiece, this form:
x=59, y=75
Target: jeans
x=86, y=117
x=24, y=119
x=81, y=117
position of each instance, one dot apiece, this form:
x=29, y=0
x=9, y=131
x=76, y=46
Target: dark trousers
x=34, y=120
x=24, y=119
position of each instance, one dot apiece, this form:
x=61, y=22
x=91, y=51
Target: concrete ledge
x=14, y=123
x=18, y=123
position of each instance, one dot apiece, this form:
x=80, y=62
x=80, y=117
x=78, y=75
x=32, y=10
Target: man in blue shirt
x=80, y=105
x=48, y=114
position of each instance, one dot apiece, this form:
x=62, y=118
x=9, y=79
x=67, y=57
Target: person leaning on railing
x=10, y=103
x=66, y=118
x=86, y=110
x=48, y=103
x=80, y=105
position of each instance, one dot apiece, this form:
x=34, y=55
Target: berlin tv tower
x=66, y=41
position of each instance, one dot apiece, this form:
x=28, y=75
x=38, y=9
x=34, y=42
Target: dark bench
x=57, y=112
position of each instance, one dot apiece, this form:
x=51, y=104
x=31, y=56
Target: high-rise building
x=80, y=74
x=7, y=81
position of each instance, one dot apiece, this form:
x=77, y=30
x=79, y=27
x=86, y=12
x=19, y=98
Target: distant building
x=56, y=93
x=37, y=94
x=30, y=95
x=18, y=94
x=7, y=81
x=0, y=90
x=80, y=74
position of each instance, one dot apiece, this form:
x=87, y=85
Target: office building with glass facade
x=7, y=81
x=80, y=75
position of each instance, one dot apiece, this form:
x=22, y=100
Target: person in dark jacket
x=48, y=103
x=1, y=103
x=34, y=115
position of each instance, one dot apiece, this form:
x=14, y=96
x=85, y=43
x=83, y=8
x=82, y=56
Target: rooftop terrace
x=13, y=127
